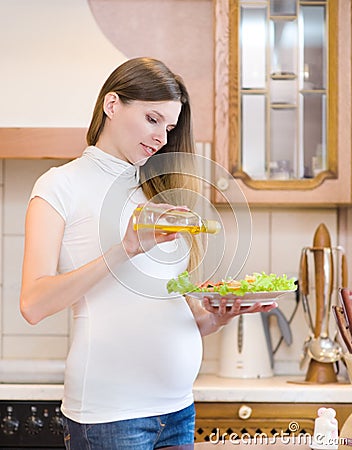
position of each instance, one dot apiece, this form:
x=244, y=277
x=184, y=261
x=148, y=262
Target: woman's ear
x=111, y=101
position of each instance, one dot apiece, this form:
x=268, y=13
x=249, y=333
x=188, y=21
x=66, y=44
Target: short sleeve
x=54, y=187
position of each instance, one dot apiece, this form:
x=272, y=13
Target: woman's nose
x=161, y=138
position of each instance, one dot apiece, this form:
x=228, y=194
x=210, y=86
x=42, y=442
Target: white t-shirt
x=136, y=350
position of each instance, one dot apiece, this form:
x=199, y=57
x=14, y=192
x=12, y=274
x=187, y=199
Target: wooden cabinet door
x=222, y=421
x=332, y=186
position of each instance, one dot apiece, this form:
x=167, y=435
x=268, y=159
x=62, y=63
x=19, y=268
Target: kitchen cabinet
x=250, y=419
x=283, y=101
x=65, y=143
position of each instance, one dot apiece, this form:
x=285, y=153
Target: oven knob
x=9, y=424
x=33, y=424
x=56, y=424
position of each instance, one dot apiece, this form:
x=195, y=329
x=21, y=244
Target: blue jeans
x=147, y=433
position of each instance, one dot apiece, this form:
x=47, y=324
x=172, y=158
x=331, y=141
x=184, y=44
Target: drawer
x=247, y=420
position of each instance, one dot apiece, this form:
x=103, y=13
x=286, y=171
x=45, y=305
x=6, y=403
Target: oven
x=32, y=425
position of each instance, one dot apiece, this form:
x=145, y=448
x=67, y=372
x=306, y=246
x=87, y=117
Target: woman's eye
x=151, y=120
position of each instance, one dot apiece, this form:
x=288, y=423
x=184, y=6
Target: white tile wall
x=35, y=347
x=19, y=177
x=18, y=338
x=14, y=323
x=277, y=238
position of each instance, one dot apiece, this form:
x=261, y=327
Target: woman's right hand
x=140, y=241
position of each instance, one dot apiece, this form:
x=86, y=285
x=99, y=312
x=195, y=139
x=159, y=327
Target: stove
x=33, y=425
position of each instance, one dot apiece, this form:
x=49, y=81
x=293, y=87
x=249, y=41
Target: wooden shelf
x=58, y=143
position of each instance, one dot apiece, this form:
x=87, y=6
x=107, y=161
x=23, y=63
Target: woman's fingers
x=235, y=309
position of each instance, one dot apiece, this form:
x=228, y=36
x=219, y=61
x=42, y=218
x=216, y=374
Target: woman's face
x=135, y=131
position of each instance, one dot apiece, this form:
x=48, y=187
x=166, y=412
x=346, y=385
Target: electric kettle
x=246, y=348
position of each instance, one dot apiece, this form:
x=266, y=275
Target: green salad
x=257, y=282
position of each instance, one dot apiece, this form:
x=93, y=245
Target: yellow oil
x=171, y=228
x=178, y=221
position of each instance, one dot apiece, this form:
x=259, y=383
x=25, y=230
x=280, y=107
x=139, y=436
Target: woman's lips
x=149, y=150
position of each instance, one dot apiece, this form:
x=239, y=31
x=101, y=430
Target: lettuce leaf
x=261, y=283
x=181, y=284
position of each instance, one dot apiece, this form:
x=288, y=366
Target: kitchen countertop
x=279, y=389
x=211, y=388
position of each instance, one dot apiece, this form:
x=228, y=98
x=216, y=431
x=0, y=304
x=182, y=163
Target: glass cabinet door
x=282, y=81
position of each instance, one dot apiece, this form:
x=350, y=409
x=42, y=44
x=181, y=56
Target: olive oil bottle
x=168, y=219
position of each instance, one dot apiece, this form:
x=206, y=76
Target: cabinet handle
x=245, y=412
x=222, y=184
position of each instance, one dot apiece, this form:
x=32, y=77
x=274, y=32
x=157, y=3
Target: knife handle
x=344, y=274
x=321, y=240
x=342, y=326
x=303, y=276
x=346, y=296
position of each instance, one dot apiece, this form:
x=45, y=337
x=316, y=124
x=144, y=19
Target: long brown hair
x=148, y=79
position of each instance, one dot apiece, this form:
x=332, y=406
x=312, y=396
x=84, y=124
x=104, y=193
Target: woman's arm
x=210, y=319
x=43, y=291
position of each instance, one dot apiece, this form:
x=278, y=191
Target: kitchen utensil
x=304, y=356
x=344, y=271
x=345, y=297
x=323, y=349
x=343, y=326
x=304, y=287
x=319, y=349
x=304, y=290
x=284, y=327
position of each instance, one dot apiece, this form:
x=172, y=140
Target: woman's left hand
x=222, y=314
